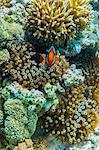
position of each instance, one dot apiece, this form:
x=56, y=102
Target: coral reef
x=54, y=20
x=49, y=73
x=28, y=72
x=4, y=56
x=26, y=145
x=6, y=3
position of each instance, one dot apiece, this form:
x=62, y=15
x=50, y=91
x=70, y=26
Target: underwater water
x=49, y=74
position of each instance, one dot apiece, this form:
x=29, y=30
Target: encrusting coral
x=34, y=100
x=58, y=19
x=73, y=77
x=18, y=124
x=10, y=30
x=29, y=73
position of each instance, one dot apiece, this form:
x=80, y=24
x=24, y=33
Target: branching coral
x=81, y=11
x=50, y=19
x=6, y=3
x=58, y=19
x=28, y=73
x=4, y=56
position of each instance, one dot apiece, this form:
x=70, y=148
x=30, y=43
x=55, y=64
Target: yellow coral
x=5, y=3
x=81, y=11
x=50, y=19
x=58, y=19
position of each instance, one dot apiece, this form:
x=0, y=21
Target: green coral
x=10, y=30
x=4, y=56
x=18, y=125
x=35, y=100
x=14, y=130
x=52, y=99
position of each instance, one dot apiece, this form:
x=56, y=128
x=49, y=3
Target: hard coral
x=28, y=72
x=58, y=19
x=81, y=11
x=51, y=19
x=18, y=124
x=6, y=3
x=15, y=122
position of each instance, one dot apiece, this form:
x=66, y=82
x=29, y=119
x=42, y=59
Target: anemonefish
x=49, y=58
x=51, y=55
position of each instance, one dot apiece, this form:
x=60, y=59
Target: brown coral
x=26, y=145
x=40, y=144
x=74, y=118
x=37, y=144
x=5, y=3
x=58, y=19
x=30, y=74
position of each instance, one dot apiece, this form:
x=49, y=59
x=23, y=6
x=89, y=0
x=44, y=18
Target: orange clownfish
x=51, y=56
